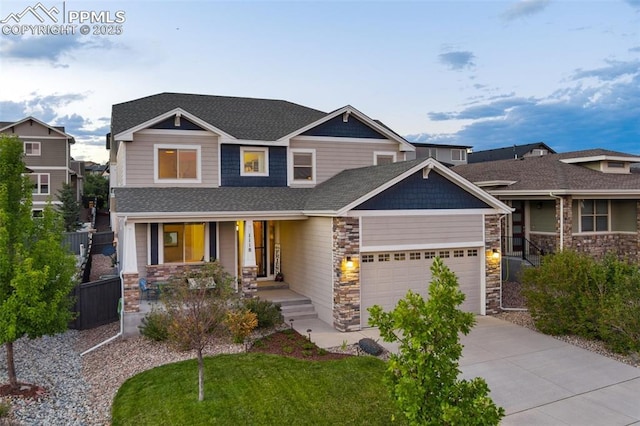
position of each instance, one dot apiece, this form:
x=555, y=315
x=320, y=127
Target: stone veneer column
x=346, y=281
x=249, y=281
x=131, y=293
x=492, y=266
x=567, y=223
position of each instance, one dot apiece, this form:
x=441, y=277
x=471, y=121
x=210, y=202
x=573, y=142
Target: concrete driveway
x=538, y=380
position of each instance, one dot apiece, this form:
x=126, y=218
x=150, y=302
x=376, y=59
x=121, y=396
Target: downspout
x=121, y=309
x=502, y=308
x=561, y=219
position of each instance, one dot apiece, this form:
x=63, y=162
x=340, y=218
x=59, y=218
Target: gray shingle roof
x=550, y=174
x=507, y=153
x=243, y=118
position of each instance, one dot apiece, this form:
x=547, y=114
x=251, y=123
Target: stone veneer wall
x=624, y=246
x=567, y=225
x=346, y=281
x=249, y=281
x=546, y=242
x=493, y=269
x=131, y=292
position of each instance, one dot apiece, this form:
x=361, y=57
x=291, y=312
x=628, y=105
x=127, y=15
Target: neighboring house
x=92, y=168
x=450, y=155
x=511, y=152
x=588, y=201
x=47, y=155
x=334, y=201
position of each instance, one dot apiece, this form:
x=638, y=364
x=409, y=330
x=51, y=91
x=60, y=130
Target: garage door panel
x=385, y=282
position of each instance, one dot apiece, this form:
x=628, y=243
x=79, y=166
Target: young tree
x=96, y=186
x=36, y=272
x=70, y=207
x=197, y=310
x=423, y=376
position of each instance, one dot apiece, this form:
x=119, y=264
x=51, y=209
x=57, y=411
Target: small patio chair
x=147, y=290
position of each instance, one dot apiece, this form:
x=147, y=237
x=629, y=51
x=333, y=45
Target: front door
x=517, y=226
x=264, y=234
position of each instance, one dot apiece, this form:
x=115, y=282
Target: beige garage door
x=385, y=277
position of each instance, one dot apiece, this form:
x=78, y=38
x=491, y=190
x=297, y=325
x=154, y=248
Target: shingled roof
x=243, y=118
x=549, y=173
x=507, y=153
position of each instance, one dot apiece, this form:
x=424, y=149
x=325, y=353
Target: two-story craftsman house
x=336, y=201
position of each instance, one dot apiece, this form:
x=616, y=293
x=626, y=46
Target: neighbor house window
x=32, y=149
x=254, y=161
x=303, y=165
x=175, y=163
x=380, y=158
x=459, y=155
x=594, y=215
x=40, y=183
x=183, y=242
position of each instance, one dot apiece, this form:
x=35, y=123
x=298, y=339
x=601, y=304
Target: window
x=615, y=164
x=303, y=165
x=380, y=158
x=178, y=163
x=429, y=254
x=367, y=258
x=399, y=256
x=40, y=183
x=472, y=252
x=458, y=253
x=459, y=155
x=183, y=242
x=444, y=254
x=539, y=152
x=594, y=216
x=32, y=148
x=254, y=161
x=415, y=255
x=384, y=257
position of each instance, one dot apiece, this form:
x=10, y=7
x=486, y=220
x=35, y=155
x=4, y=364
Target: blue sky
x=481, y=73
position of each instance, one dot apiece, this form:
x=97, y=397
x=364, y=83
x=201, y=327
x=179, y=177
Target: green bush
x=268, y=312
x=155, y=325
x=571, y=293
x=4, y=409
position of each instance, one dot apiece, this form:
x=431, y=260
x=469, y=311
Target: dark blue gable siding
x=353, y=128
x=230, y=168
x=415, y=192
x=169, y=124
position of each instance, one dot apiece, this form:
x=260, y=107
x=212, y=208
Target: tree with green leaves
x=197, y=303
x=37, y=273
x=423, y=376
x=70, y=209
x=96, y=186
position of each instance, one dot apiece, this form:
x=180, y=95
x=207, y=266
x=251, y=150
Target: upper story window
x=40, y=183
x=180, y=164
x=32, y=149
x=458, y=155
x=380, y=158
x=303, y=163
x=594, y=215
x=254, y=161
x=538, y=152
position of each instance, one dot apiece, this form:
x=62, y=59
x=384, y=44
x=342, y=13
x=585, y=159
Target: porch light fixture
x=349, y=262
x=495, y=254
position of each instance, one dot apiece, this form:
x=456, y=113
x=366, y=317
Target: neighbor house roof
x=58, y=129
x=549, y=173
x=510, y=152
x=243, y=118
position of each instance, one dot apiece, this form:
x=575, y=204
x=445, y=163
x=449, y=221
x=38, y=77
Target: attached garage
x=385, y=277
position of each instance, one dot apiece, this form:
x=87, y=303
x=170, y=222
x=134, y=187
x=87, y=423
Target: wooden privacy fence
x=99, y=240
x=96, y=303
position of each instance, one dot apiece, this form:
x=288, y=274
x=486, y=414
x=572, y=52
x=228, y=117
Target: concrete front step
x=303, y=309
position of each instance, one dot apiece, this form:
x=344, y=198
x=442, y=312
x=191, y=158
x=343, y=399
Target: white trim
x=429, y=246
x=265, y=151
x=595, y=193
x=603, y=157
x=56, y=138
x=173, y=217
x=485, y=183
x=377, y=154
x=463, y=151
x=483, y=268
x=543, y=233
x=323, y=139
x=197, y=148
x=39, y=183
x=252, y=142
x=430, y=212
x=291, y=166
x=127, y=135
x=34, y=143
x=58, y=168
x=170, y=132
x=596, y=233
x=14, y=124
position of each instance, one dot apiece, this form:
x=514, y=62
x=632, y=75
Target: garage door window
x=472, y=253
x=415, y=255
x=444, y=254
x=399, y=256
x=429, y=254
x=384, y=257
x=458, y=253
x=367, y=258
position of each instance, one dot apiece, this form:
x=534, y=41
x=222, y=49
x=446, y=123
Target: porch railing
x=522, y=248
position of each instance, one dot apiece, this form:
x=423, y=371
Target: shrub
x=268, y=312
x=4, y=409
x=155, y=325
x=241, y=323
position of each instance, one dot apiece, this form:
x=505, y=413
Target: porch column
x=249, y=265
x=564, y=222
x=346, y=276
x=129, y=264
x=493, y=266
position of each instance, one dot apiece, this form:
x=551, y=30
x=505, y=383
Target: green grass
x=258, y=389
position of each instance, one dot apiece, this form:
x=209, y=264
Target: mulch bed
x=292, y=344
x=24, y=390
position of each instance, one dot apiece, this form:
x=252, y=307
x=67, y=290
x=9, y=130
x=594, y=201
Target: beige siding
x=333, y=157
x=227, y=253
x=140, y=158
x=624, y=214
x=53, y=152
x=141, y=247
x=542, y=216
x=405, y=231
x=307, y=261
x=56, y=179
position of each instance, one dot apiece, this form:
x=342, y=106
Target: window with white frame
x=594, y=215
x=254, y=161
x=183, y=242
x=32, y=149
x=380, y=158
x=303, y=165
x=40, y=182
x=459, y=155
x=177, y=163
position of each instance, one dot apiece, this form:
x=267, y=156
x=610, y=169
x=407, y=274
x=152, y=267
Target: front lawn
x=258, y=389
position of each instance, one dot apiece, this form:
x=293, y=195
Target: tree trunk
x=200, y=376
x=11, y=367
